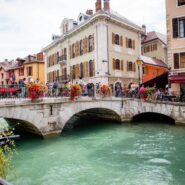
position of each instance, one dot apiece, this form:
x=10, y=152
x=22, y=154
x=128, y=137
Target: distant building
x=32, y=68
x=175, y=15
x=154, y=45
x=98, y=47
x=152, y=68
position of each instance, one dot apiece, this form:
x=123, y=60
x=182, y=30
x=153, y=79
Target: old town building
x=175, y=10
x=98, y=47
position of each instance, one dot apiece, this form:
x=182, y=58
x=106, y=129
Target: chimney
x=40, y=56
x=144, y=28
x=98, y=5
x=89, y=12
x=106, y=5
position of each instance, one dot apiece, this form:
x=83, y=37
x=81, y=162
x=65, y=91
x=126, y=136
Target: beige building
x=154, y=45
x=176, y=44
x=98, y=47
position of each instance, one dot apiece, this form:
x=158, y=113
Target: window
x=2, y=75
x=117, y=39
x=145, y=70
x=73, y=51
x=181, y=2
x=179, y=60
x=58, y=57
x=29, y=70
x=22, y=72
x=90, y=43
x=179, y=27
x=129, y=43
x=90, y=68
x=81, y=47
x=117, y=65
x=130, y=66
x=81, y=71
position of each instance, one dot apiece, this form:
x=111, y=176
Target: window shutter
x=87, y=45
x=176, y=61
x=127, y=65
x=175, y=28
x=121, y=40
x=93, y=68
x=122, y=65
x=126, y=42
x=134, y=65
x=84, y=43
x=86, y=69
x=71, y=73
x=133, y=45
x=93, y=41
x=70, y=52
x=113, y=38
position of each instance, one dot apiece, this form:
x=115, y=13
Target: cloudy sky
x=26, y=26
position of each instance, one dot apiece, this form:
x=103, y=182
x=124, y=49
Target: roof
x=112, y=15
x=153, y=61
x=153, y=36
x=7, y=65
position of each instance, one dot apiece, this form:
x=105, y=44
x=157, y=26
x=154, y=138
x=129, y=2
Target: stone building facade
x=98, y=47
x=175, y=15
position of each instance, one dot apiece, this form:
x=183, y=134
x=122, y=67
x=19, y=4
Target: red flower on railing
x=76, y=91
x=104, y=89
x=35, y=91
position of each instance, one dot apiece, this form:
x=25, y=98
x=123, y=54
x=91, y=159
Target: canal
x=99, y=153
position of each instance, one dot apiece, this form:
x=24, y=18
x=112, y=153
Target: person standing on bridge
x=23, y=90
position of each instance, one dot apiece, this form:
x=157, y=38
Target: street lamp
x=139, y=63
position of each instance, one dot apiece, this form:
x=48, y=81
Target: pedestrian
x=23, y=89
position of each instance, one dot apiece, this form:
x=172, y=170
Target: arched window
x=118, y=67
x=117, y=39
x=129, y=43
x=73, y=72
x=81, y=71
x=73, y=51
x=130, y=66
x=81, y=47
x=90, y=68
x=90, y=43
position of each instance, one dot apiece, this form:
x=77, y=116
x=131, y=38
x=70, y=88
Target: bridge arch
x=22, y=126
x=101, y=114
x=153, y=117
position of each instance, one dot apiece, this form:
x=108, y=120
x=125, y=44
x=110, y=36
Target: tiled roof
x=153, y=61
x=155, y=35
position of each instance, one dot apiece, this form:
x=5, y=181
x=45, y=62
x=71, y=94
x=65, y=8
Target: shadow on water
x=154, y=118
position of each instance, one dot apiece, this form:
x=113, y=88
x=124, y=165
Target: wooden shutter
x=70, y=48
x=133, y=44
x=71, y=72
x=127, y=65
x=134, y=67
x=93, y=41
x=122, y=65
x=126, y=42
x=86, y=69
x=114, y=63
x=77, y=71
x=175, y=28
x=87, y=44
x=121, y=40
x=113, y=38
x=176, y=61
x=93, y=68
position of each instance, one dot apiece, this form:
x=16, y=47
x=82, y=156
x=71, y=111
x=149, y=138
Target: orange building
x=152, y=68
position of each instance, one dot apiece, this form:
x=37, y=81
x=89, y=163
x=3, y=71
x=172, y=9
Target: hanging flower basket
x=76, y=91
x=104, y=90
x=35, y=91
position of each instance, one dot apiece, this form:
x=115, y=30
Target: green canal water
x=103, y=154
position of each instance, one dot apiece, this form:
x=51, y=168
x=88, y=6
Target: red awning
x=8, y=90
x=177, y=79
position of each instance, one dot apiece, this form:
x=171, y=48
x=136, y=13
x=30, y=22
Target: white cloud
x=26, y=26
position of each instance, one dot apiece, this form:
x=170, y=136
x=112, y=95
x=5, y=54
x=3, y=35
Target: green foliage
x=6, y=153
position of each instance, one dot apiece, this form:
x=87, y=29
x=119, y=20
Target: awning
x=9, y=90
x=177, y=79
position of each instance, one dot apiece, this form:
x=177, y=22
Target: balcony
x=63, y=60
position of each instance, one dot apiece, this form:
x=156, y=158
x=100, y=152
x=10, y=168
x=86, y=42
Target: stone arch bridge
x=49, y=116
